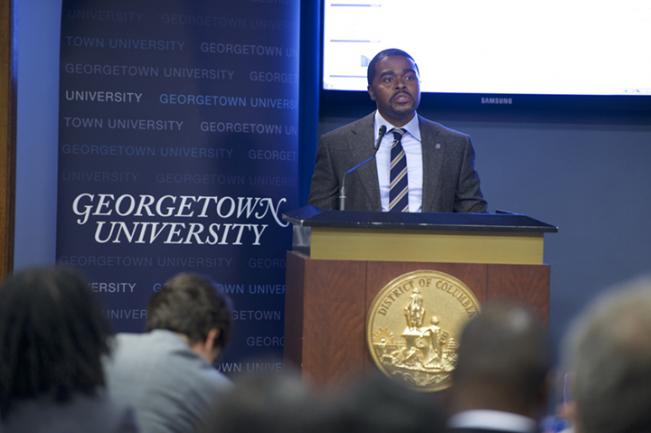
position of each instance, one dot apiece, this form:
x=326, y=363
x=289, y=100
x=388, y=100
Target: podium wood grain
x=7, y=141
x=327, y=303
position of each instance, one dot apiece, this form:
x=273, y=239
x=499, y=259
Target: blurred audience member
x=376, y=404
x=267, y=402
x=608, y=355
x=279, y=402
x=167, y=373
x=52, y=340
x=500, y=383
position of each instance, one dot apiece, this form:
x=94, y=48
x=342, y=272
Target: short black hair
x=52, y=337
x=374, y=403
x=191, y=305
x=274, y=401
x=370, y=72
x=505, y=345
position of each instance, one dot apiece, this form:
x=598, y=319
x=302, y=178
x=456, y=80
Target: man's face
x=396, y=89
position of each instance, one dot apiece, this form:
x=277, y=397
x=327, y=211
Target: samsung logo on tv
x=496, y=101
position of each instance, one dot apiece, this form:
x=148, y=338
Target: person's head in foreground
x=191, y=306
x=52, y=337
x=503, y=363
x=608, y=355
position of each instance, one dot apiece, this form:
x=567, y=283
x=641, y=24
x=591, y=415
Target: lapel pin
x=438, y=146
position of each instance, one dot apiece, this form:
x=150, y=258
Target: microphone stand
x=342, y=190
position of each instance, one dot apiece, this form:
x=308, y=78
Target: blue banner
x=178, y=151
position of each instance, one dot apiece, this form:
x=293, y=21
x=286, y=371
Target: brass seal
x=414, y=324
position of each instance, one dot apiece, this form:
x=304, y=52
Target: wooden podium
x=340, y=260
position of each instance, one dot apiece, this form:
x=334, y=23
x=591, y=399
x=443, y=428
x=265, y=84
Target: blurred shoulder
x=99, y=414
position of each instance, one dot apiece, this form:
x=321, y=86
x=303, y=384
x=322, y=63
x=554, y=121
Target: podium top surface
x=310, y=216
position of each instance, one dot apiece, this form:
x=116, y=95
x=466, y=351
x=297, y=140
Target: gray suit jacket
x=171, y=389
x=450, y=182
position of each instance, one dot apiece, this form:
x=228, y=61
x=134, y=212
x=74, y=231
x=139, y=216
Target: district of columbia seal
x=413, y=326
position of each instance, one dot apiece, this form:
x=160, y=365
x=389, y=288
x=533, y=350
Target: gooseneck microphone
x=376, y=147
x=380, y=136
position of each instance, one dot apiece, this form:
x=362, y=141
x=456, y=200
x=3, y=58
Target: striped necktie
x=398, y=188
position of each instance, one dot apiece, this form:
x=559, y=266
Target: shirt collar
x=412, y=128
x=492, y=420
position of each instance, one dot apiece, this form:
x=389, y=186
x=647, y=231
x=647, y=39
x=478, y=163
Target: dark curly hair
x=52, y=337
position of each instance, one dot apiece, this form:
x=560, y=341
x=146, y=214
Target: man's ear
x=207, y=349
x=371, y=94
x=211, y=339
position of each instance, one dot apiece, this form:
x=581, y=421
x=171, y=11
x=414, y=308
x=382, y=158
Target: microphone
x=342, y=191
x=380, y=136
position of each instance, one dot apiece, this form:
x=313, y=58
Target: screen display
x=537, y=47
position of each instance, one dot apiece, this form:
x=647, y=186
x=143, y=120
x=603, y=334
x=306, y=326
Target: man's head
x=375, y=403
x=607, y=352
x=503, y=362
x=274, y=401
x=394, y=85
x=193, y=306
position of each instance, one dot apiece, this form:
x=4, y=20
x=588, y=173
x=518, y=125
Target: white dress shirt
x=411, y=143
x=492, y=420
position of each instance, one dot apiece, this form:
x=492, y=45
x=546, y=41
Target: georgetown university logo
x=413, y=327
x=177, y=219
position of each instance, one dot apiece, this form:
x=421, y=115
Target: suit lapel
x=360, y=144
x=432, y=160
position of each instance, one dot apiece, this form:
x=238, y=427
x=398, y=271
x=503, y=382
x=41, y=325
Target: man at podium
x=393, y=159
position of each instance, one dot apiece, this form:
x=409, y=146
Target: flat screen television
x=498, y=52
